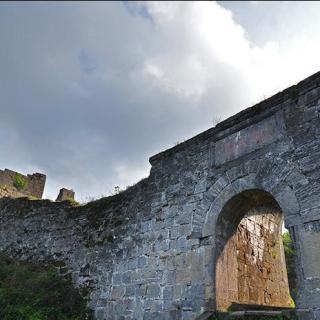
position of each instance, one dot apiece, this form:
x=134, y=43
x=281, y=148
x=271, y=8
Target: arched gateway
x=250, y=261
x=202, y=232
x=248, y=207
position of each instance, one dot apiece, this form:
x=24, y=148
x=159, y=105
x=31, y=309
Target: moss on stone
x=19, y=182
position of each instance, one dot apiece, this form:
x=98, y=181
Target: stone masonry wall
x=34, y=187
x=150, y=252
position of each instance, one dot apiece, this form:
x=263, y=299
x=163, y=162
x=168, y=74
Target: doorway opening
x=250, y=265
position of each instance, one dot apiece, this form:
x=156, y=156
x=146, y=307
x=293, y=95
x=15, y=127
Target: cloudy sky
x=89, y=91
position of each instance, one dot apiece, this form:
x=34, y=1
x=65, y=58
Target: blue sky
x=90, y=90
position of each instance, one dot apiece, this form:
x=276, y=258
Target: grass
x=73, y=202
x=30, y=292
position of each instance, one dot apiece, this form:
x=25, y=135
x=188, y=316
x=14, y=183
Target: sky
x=90, y=90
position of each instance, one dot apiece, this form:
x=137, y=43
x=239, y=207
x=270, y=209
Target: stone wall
x=151, y=251
x=8, y=191
x=34, y=183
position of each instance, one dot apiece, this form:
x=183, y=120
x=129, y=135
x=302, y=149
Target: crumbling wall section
x=34, y=183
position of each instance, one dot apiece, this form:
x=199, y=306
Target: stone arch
x=282, y=192
x=278, y=182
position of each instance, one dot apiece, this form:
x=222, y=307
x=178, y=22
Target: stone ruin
x=202, y=233
x=34, y=184
x=65, y=194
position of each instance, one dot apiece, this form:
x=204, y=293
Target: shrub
x=19, y=182
x=29, y=292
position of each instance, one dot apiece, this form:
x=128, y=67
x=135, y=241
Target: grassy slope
x=29, y=292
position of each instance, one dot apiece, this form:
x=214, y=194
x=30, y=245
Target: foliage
x=288, y=247
x=73, y=202
x=247, y=317
x=290, y=256
x=216, y=120
x=19, y=182
x=270, y=318
x=29, y=292
x=116, y=190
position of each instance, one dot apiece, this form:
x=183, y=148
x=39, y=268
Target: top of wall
x=247, y=116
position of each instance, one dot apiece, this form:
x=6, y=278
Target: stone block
x=153, y=291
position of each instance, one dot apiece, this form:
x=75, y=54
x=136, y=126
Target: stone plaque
x=248, y=139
